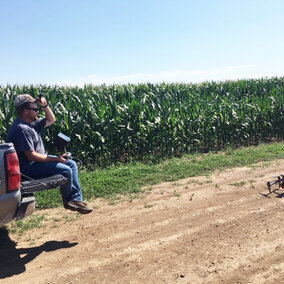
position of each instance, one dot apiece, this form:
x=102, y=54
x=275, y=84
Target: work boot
x=78, y=206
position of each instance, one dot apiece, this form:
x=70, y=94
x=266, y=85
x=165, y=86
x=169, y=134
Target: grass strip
x=129, y=178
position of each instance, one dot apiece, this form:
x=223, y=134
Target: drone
x=276, y=184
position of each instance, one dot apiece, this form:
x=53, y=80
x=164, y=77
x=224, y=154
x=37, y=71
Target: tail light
x=13, y=171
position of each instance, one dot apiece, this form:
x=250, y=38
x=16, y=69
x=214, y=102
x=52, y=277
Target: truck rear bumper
x=27, y=206
x=14, y=205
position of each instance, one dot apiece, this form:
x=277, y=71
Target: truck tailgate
x=35, y=185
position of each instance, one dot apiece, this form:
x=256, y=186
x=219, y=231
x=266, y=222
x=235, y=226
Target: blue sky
x=135, y=41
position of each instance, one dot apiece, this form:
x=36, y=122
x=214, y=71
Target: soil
x=222, y=228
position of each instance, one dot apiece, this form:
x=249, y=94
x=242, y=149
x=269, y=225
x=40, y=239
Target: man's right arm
x=40, y=158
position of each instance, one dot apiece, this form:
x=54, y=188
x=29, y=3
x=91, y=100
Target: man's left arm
x=49, y=115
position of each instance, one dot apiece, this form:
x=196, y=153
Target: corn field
x=108, y=124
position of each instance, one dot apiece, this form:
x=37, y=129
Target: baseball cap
x=22, y=99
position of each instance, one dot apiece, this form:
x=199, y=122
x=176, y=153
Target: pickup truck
x=17, y=199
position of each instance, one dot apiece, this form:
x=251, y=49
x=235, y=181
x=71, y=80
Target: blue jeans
x=70, y=191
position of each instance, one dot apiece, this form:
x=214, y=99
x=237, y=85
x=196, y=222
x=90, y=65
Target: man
x=34, y=162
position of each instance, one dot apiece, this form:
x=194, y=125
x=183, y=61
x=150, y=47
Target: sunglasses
x=34, y=109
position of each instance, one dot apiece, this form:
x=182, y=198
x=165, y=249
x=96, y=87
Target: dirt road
x=215, y=229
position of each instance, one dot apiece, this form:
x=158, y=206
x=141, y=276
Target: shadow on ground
x=13, y=260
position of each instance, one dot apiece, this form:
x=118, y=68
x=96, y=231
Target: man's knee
x=72, y=164
x=65, y=171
